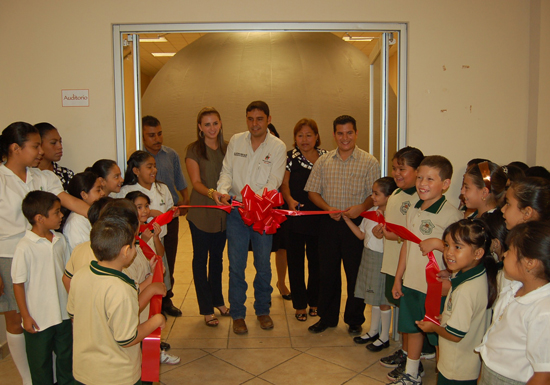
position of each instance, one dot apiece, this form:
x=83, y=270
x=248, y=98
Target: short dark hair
x=440, y=163
x=344, y=119
x=258, y=105
x=149, y=121
x=96, y=207
x=83, y=181
x=532, y=240
x=102, y=167
x=133, y=195
x=496, y=182
x=38, y=202
x=533, y=192
x=121, y=208
x=109, y=235
x=44, y=127
x=410, y=156
x=538, y=171
x=311, y=124
x=387, y=185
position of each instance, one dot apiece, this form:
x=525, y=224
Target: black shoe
x=398, y=372
x=172, y=311
x=354, y=329
x=319, y=327
x=365, y=338
x=376, y=348
x=164, y=346
x=394, y=360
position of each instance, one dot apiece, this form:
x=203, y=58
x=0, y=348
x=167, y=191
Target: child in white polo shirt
x=515, y=348
x=428, y=219
x=103, y=302
x=473, y=290
x=37, y=268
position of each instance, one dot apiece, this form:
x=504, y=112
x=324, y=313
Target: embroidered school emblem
x=162, y=202
x=426, y=227
x=405, y=207
x=450, y=303
x=266, y=159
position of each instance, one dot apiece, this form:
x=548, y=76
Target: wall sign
x=75, y=98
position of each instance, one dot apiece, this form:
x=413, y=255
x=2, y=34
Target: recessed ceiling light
x=163, y=54
x=160, y=39
x=357, y=38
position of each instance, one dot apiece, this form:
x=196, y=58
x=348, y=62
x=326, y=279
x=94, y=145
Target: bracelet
x=211, y=192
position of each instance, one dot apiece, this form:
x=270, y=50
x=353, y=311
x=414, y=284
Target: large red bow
x=433, y=294
x=257, y=211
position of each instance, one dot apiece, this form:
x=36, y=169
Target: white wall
x=469, y=65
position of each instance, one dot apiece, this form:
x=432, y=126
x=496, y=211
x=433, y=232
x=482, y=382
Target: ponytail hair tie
x=485, y=174
x=505, y=169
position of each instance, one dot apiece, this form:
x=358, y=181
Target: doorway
x=386, y=106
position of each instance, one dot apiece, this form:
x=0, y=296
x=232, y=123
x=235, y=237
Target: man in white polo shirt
x=258, y=159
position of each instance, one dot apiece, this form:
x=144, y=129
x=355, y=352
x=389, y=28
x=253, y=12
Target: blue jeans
x=208, y=282
x=238, y=237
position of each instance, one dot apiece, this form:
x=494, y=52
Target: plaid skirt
x=7, y=300
x=370, y=284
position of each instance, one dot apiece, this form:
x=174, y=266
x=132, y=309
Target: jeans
x=208, y=284
x=238, y=237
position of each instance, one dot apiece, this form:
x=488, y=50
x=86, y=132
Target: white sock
x=374, y=321
x=412, y=367
x=386, y=322
x=385, y=333
x=16, y=342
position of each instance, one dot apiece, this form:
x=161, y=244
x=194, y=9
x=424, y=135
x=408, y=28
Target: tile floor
x=287, y=354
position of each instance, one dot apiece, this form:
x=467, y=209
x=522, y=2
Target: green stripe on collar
x=97, y=269
x=473, y=273
x=434, y=208
x=410, y=191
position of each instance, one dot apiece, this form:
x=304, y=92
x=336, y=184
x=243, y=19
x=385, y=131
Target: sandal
x=212, y=322
x=302, y=317
x=223, y=314
x=312, y=312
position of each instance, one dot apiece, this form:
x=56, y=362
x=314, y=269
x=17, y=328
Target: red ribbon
x=150, y=361
x=433, y=294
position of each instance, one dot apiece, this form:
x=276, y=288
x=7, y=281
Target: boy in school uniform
x=37, y=268
x=103, y=302
x=428, y=219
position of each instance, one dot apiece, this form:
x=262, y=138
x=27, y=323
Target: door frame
x=118, y=45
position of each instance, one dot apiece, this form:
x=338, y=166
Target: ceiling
x=150, y=65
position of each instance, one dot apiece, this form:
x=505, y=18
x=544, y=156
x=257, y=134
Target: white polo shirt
x=397, y=207
x=39, y=264
x=464, y=316
x=159, y=194
x=517, y=343
x=263, y=168
x=104, y=305
x=77, y=230
x=371, y=242
x=12, y=191
x=425, y=224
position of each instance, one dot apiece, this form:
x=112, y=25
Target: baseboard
x=4, y=350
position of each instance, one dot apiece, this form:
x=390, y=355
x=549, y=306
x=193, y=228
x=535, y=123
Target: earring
x=201, y=132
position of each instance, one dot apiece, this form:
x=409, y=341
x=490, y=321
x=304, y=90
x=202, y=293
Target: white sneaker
x=407, y=379
x=168, y=359
x=427, y=356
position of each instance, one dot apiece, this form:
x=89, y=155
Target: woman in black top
x=302, y=231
